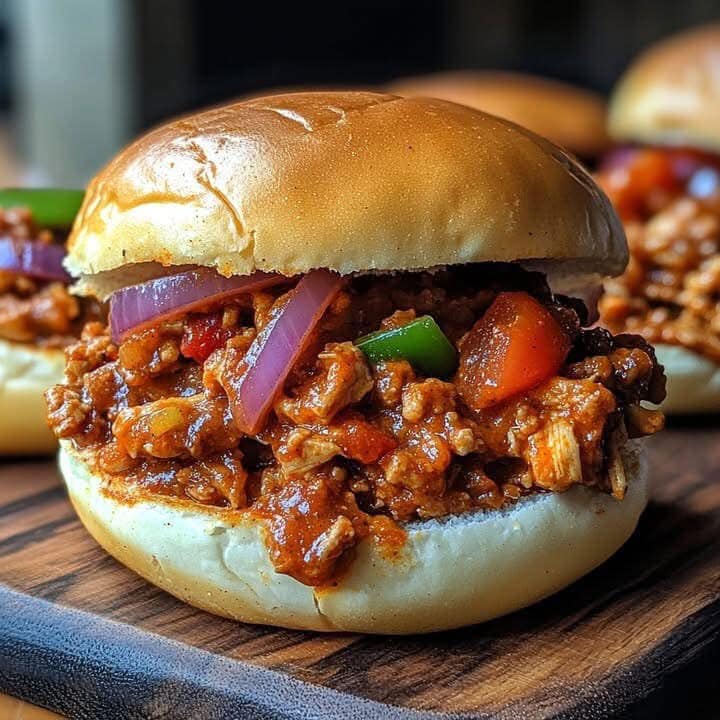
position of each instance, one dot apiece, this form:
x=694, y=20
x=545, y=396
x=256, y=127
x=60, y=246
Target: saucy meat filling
x=352, y=446
x=41, y=312
x=670, y=203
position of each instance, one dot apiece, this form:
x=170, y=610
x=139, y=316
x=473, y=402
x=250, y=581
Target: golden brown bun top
x=351, y=181
x=671, y=93
x=569, y=116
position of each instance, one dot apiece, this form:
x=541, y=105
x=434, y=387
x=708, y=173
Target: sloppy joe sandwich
x=665, y=183
x=570, y=116
x=345, y=383
x=38, y=316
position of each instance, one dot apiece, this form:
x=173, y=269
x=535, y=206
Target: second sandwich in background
x=571, y=117
x=666, y=188
x=38, y=316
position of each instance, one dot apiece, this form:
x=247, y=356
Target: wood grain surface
x=639, y=637
x=13, y=709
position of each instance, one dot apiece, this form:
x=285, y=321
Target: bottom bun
x=458, y=571
x=26, y=372
x=693, y=382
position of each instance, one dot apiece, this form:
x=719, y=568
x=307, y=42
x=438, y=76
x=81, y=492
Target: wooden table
x=639, y=637
x=14, y=709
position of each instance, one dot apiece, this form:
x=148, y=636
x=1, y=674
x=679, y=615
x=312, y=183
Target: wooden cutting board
x=639, y=637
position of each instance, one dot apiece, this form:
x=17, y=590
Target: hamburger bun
x=351, y=181
x=354, y=182
x=670, y=95
x=26, y=372
x=569, y=116
x=453, y=572
x=693, y=381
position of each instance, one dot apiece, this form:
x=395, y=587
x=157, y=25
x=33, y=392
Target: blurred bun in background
x=665, y=183
x=670, y=95
x=571, y=117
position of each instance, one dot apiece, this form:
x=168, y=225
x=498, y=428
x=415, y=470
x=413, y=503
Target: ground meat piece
x=218, y=480
x=94, y=349
x=670, y=292
x=93, y=388
x=430, y=432
x=553, y=456
x=176, y=427
x=342, y=378
x=312, y=525
x=217, y=366
x=390, y=379
x=413, y=474
x=625, y=370
x=426, y=398
x=301, y=450
x=556, y=429
x=103, y=389
x=66, y=412
x=150, y=352
x=50, y=311
x=483, y=490
x=19, y=285
x=219, y=477
x=359, y=438
x=625, y=364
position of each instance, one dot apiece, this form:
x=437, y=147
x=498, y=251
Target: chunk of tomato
x=514, y=346
x=202, y=336
x=361, y=440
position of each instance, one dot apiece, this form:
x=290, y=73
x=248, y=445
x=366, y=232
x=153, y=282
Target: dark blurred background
x=78, y=78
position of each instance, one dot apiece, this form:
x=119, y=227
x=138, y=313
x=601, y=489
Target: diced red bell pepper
x=514, y=346
x=203, y=335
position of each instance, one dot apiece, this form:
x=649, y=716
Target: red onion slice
x=277, y=348
x=162, y=298
x=33, y=259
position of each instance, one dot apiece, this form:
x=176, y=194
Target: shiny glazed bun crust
x=671, y=93
x=569, y=116
x=351, y=181
x=456, y=571
x=26, y=372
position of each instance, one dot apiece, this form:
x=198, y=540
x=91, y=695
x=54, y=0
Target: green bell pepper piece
x=50, y=207
x=422, y=343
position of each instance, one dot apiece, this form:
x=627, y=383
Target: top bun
x=670, y=95
x=350, y=181
x=569, y=116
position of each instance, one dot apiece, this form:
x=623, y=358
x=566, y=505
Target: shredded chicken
x=348, y=447
x=342, y=378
